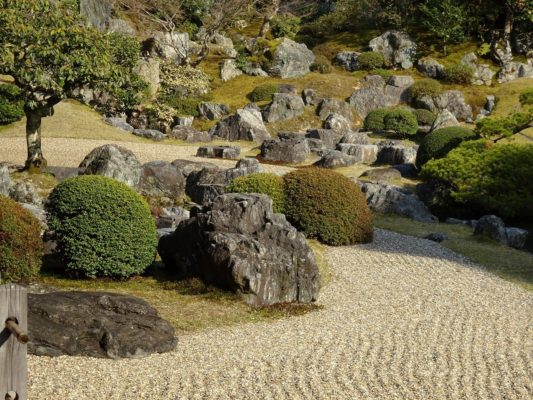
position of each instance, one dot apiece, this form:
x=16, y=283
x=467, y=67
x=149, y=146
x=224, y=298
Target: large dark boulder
x=287, y=148
x=284, y=106
x=245, y=124
x=239, y=244
x=95, y=324
x=161, y=179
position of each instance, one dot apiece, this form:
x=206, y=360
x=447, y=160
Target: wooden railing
x=13, y=339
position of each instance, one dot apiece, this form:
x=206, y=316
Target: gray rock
x=114, y=162
x=514, y=70
x=284, y=106
x=25, y=192
x=492, y=227
x=356, y=138
x=37, y=210
x=336, y=159
x=151, y=134
x=430, y=68
x=482, y=73
x=254, y=70
x=238, y=244
x=490, y=103
x=310, y=97
x=389, y=199
x=292, y=149
x=397, y=48
x=97, y=12
x=123, y=27
x=330, y=106
x=329, y=137
x=400, y=81
x=374, y=94
x=189, y=134
x=338, y=123
x=393, y=153
x=224, y=45
x=171, y=217
x=184, y=121
x=288, y=89
x=119, y=123
x=213, y=111
x=189, y=168
x=5, y=180
x=92, y=324
x=149, y=70
x=436, y=237
x=348, y=60
x=317, y=146
x=382, y=174
x=364, y=153
x=291, y=59
x=225, y=152
x=229, y=70
x=245, y=124
x=172, y=46
x=454, y=101
x=161, y=179
x=516, y=237
x=444, y=119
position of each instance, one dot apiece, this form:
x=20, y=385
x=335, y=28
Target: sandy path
x=403, y=318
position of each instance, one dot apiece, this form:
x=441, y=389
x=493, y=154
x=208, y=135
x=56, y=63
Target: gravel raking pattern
x=403, y=318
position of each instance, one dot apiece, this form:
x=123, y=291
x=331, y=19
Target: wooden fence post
x=13, y=339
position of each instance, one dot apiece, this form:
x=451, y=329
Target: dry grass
x=510, y=264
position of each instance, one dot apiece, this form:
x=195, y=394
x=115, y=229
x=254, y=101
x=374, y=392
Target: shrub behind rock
x=265, y=183
x=263, y=92
x=425, y=117
x=370, y=60
x=440, y=142
x=374, y=121
x=327, y=206
x=21, y=246
x=459, y=73
x=401, y=122
x=425, y=87
x=103, y=227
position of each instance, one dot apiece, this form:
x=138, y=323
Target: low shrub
x=424, y=117
x=384, y=73
x=179, y=81
x=370, y=60
x=374, y=120
x=400, y=121
x=263, y=92
x=526, y=97
x=321, y=65
x=103, y=227
x=425, y=87
x=269, y=184
x=459, y=73
x=327, y=206
x=11, y=104
x=440, y=142
x=285, y=26
x=502, y=127
x=21, y=246
x=492, y=178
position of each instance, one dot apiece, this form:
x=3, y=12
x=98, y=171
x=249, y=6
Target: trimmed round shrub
x=401, y=121
x=370, y=60
x=440, y=142
x=21, y=246
x=374, y=120
x=327, y=206
x=425, y=117
x=526, y=97
x=425, y=87
x=459, y=73
x=269, y=184
x=321, y=65
x=488, y=177
x=104, y=228
x=263, y=92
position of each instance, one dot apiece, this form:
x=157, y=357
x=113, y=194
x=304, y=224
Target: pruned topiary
x=440, y=142
x=425, y=117
x=103, y=227
x=269, y=184
x=327, y=206
x=374, y=120
x=21, y=246
x=401, y=122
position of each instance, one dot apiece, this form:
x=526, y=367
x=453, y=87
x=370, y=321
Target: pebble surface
x=403, y=318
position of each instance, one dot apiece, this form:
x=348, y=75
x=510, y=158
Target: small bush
x=269, y=184
x=370, y=60
x=263, y=92
x=502, y=127
x=425, y=117
x=321, y=65
x=327, y=206
x=491, y=178
x=401, y=121
x=285, y=26
x=440, y=142
x=459, y=73
x=374, y=120
x=425, y=87
x=183, y=81
x=21, y=246
x=526, y=97
x=11, y=104
x=384, y=73
x=103, y=227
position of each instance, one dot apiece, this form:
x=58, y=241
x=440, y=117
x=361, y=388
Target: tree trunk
x=509, y=22
x=35, y=161
x=270, y=14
